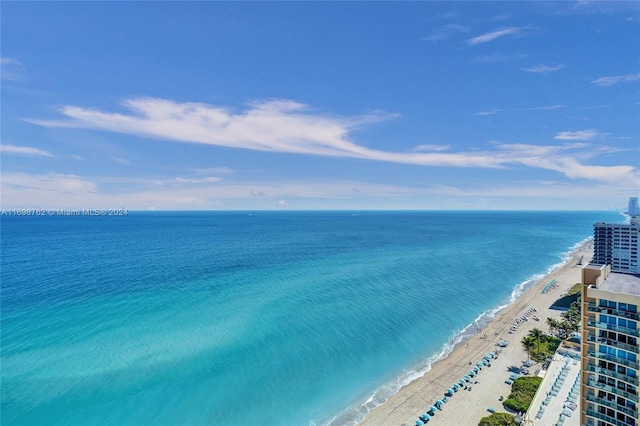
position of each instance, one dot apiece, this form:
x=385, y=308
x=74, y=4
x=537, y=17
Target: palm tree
x=536, y=334
x=528, y=343
x=553, y=325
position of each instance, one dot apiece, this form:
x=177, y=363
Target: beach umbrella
x=433, y=408
x=440, y=402
x=456, y=386
x=419, y=422
x=449, y=392
x=480, y=365
x=492, y=355
x=467, y=378
x=476, y=369
x=472, y=373
x=426, y=417
x=461, y=381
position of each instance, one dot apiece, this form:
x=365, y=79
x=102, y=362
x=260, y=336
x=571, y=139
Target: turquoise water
x=231, y=318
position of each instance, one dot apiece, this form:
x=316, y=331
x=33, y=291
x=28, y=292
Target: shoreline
x=444, y=368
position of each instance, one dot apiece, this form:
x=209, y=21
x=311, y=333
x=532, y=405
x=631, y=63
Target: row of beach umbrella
x=425, y=417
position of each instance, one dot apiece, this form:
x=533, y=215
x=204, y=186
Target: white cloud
x=24, y=150
x=276, y=126
x=257, y=193
x=545, y=108
x=484, y=38
x=435, y=148
x=121, y=160
x=282, y=203
x=210, y=179
x=579, y=135
x=284, y=126
x=490, y=112
x=540, y=108
x=11, y=69
x=543, y=69
x=56, y=183
x=610, y=81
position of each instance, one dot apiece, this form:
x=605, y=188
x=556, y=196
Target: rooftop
x=558, y=394
x=621, y=283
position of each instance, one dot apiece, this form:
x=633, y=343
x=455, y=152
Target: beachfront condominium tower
x=609, y=376
x=616, y=244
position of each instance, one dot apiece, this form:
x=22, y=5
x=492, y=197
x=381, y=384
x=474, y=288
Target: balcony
x=604, y=310
x=614, y=343
x=601, y=401
x=604, y=326
x=608, y=419
x=609, y=373
x=613, y=358
x=611, y=389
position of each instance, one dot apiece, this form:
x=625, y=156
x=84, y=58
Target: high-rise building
x=633, y=209
x=616, y=244
x=610, y=350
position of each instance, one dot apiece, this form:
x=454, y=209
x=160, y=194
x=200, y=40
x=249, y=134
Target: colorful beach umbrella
x=467, y=378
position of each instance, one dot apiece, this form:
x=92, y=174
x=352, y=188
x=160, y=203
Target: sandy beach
x=468, y=407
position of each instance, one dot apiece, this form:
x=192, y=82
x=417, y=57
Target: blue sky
x=296, y=105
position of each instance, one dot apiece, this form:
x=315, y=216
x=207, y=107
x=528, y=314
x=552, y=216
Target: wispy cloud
x=53, y=183
x=11, y=69
x=489, y=112
x=289, y=127
x=543, y=69
x=540, y=108
x=215, y=171
x=433, y=148
x=55, y=190
x=610, y=81
x=545, y=108
x=490, y=36
x=257, y=193
x=579, y=135
x=445, y=32
x=24, y=150
x=208, y=179
x=121, y=160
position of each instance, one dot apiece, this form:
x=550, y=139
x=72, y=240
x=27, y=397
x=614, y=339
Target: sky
x=320, y=105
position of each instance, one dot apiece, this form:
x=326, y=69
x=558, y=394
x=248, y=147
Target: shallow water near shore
x=228, y=318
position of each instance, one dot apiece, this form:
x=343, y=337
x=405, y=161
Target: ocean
x=231, y=318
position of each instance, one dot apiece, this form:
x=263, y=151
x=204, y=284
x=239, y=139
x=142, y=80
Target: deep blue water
x=228, y=318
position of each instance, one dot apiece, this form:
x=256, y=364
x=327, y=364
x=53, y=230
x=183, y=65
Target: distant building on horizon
x=633, y=209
